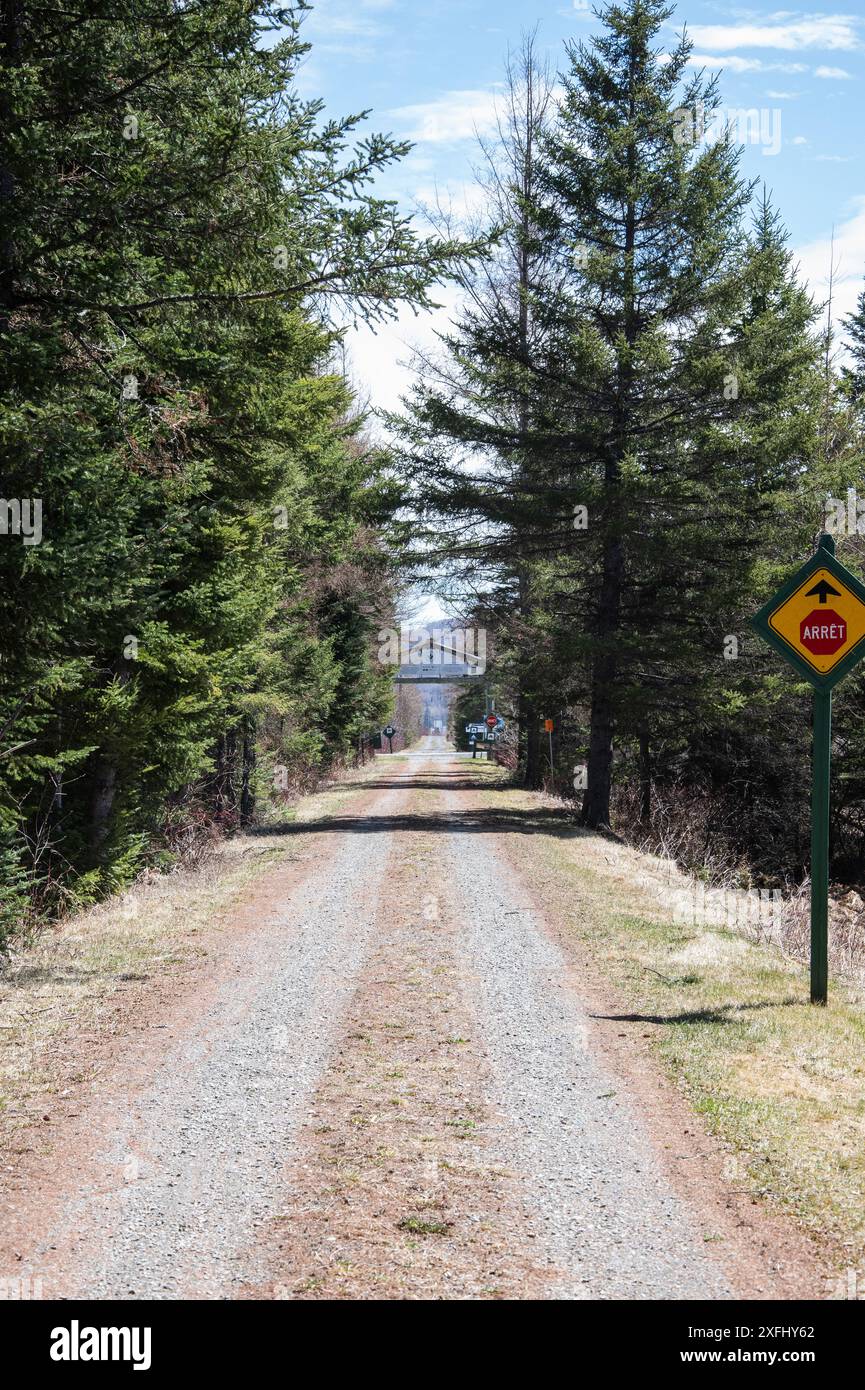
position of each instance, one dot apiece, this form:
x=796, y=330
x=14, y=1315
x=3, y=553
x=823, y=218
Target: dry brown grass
x=74, y=973
x=782, y=1082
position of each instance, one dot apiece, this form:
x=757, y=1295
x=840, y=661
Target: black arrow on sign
x=823, y=590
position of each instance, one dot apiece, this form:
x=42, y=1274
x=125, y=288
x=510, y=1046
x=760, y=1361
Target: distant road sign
x=548, y=725
x=475, y=728
x=492, y=720
x=389, y=731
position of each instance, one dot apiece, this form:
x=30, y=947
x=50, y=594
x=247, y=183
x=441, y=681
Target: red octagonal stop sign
x=823, y=632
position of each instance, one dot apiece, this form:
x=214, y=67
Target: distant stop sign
x=491, y=721
x=823, y=632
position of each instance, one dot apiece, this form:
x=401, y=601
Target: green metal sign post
x=816, y=621
x=820, y=773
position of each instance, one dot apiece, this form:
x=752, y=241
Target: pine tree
x=670, y=399
x=482, y=394
x=175, y=223
x=853, y=377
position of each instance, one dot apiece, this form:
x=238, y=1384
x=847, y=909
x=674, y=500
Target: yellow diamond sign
x=823, y=620
x=816, y=621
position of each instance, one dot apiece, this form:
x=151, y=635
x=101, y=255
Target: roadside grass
x=780, y=1081
x=74, y=974
x=419, y=1227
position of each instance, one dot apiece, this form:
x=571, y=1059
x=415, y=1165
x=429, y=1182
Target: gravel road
x=198, y=1160
x=605, y=1213
x=199, y=1157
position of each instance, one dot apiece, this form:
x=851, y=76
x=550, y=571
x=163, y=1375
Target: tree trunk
x=247, y=794
x=522, y=728
x=105, y=780
x=528, y=711
x=534, y=772
x=645, y=776
x=10, y=15
x=596, y=800
x=599, y=770
x=225, y=757
x=537, y=95
x=104, y=789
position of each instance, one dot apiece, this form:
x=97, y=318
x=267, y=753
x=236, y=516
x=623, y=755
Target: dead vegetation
x=687, y=849
x=718, y=975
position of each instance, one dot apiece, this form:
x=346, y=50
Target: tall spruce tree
x=667, y=401
x=657, y=218
x=175, y=221
x=472, y=466
x=853, y=373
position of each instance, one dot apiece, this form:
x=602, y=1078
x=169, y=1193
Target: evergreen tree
x=175, y=222
x=853, y=376
x=479, y=400
x=652, y=434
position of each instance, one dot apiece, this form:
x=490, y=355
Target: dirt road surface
x=389, y=1080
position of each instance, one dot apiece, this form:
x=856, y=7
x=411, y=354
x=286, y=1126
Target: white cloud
x=840, y=73
x=429, y=612
x=810, y=31
x=460, y=201
x=799, y=140
x=724, y=60
x=344, y=26
x=380, y=360
x=738, y=64
x=848, y=255
x=341, y=19
x=452, y=116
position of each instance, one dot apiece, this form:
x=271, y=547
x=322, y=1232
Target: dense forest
x=631, y=434
x=628, y=437
x=199, y=542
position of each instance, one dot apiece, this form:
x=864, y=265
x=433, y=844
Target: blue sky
x=430, y=72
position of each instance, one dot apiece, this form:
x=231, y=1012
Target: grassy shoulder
x=78, y=974
x=780, y=1081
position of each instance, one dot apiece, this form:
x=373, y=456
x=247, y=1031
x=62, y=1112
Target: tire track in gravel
x=396, y=1192
x=465, y=1141
x=608, y=1219
x=386, y=1087
x=191, y=1170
